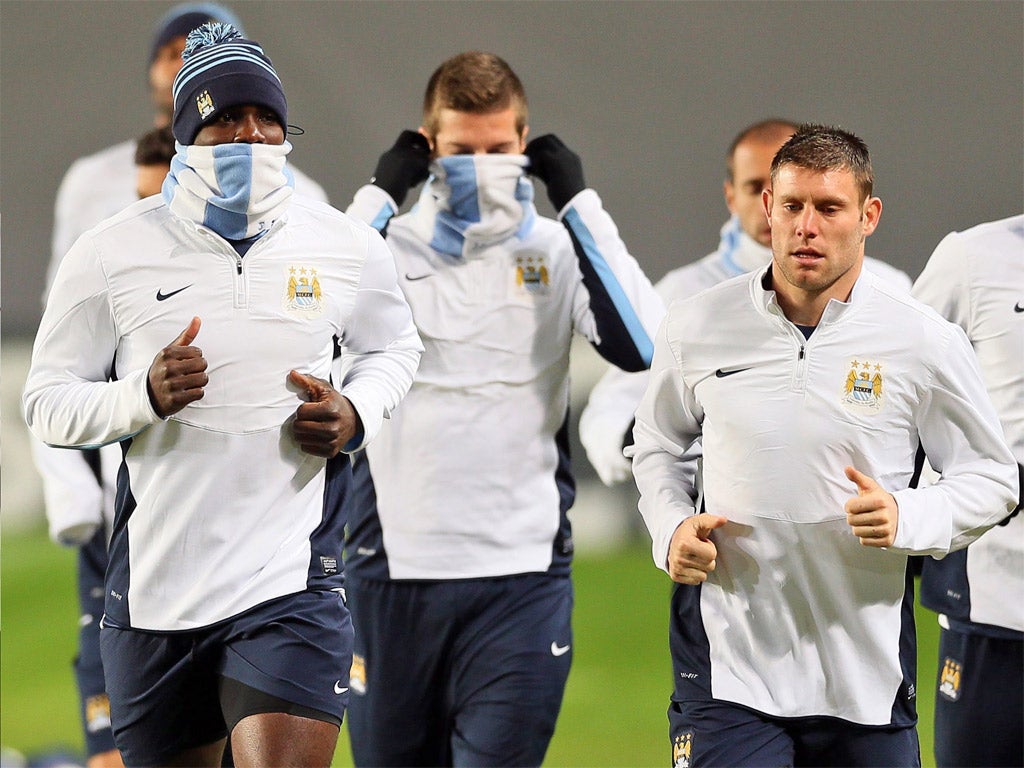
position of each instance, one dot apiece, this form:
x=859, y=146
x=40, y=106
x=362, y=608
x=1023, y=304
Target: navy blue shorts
x=164, y=687
x=92, y=692
x=458, y=672
x=979, y=701
x=716, y=733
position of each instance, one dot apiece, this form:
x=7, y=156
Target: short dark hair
x=827, y=148
x=155, y=147
x=772, y=129
x=475, y=82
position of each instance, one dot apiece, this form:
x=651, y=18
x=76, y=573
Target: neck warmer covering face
x=237, y=190
x=475, y=200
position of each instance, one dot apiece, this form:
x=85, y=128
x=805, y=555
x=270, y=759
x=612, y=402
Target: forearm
x=624, y=306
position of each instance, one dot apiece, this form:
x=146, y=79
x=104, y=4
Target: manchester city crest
x=949, y=679
x=204, y=103
x=532, y=272
x=682, y=745
x=864, y=388
x=357, y=674
x=303, y=294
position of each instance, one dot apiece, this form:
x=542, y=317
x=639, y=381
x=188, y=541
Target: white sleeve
x=74, y=500
x=617, y=308
x=668, y=424
x=607, y=418
x=373, y=206
x=68, y=399
x=962, y=438
x=67, y=220
x=943, y=283
x=380, y=348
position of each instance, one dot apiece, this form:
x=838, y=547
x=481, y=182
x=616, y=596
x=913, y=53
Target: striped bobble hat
x=183, y=18
x=222, y=69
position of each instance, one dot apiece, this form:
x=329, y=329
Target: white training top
x=222, y=510
x=975, y=279
x=801, y=619
x=608, y=415
x=472, y=474
x=94, y=188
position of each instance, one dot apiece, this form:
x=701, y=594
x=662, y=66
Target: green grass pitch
x=614, y=708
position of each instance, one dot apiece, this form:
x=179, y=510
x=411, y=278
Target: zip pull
x=801, y=355
x=238, y=263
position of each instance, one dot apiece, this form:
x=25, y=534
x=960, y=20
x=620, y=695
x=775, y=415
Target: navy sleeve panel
x=624, y=342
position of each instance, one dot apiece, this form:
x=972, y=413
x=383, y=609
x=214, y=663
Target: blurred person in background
x=975, y=279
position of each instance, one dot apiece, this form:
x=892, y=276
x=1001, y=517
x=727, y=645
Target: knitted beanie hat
x=221, y=70
x=183, y=18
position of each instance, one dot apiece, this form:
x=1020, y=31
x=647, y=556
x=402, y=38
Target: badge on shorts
x=357, y=674
x=949, y=680
x=863, y=388
x=329, y=564
x=681, y=748
x=97, y=713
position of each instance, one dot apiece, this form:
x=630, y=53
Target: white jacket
x=94, y=188
x=975, y=279
x=608, y=415
x=471, y=477
x=800, y=618
x=221, y=510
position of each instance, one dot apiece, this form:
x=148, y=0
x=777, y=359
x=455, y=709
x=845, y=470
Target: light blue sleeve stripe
x=381, y=219
x=644, y=344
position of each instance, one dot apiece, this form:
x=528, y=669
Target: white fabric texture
x=794, y=592
x=227, y=462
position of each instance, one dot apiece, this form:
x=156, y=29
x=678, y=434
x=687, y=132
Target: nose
x=807, y=224
x=248, y=131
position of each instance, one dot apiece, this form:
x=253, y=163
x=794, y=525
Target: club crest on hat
x=204, y=102
x=863, y=388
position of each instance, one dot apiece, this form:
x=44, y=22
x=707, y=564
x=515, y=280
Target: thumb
x=864, y=483
x=313, y=386
x=187, y=336
x=706, y=524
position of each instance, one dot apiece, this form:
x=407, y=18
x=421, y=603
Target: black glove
x=403, y=166
x=558, y=167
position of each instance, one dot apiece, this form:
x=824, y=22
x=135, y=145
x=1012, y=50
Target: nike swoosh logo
x=1018, y=308
x=164, y=296
x=414, y=278
x=721, y=373
x=558, y=650
x=338, y=689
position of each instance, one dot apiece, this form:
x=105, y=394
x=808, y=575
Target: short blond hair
x=475, y=82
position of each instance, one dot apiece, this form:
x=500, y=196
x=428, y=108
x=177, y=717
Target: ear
x=729, y=190
x=522, y=139
x=766, y=201
x=872, y=213
x=422, y=131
